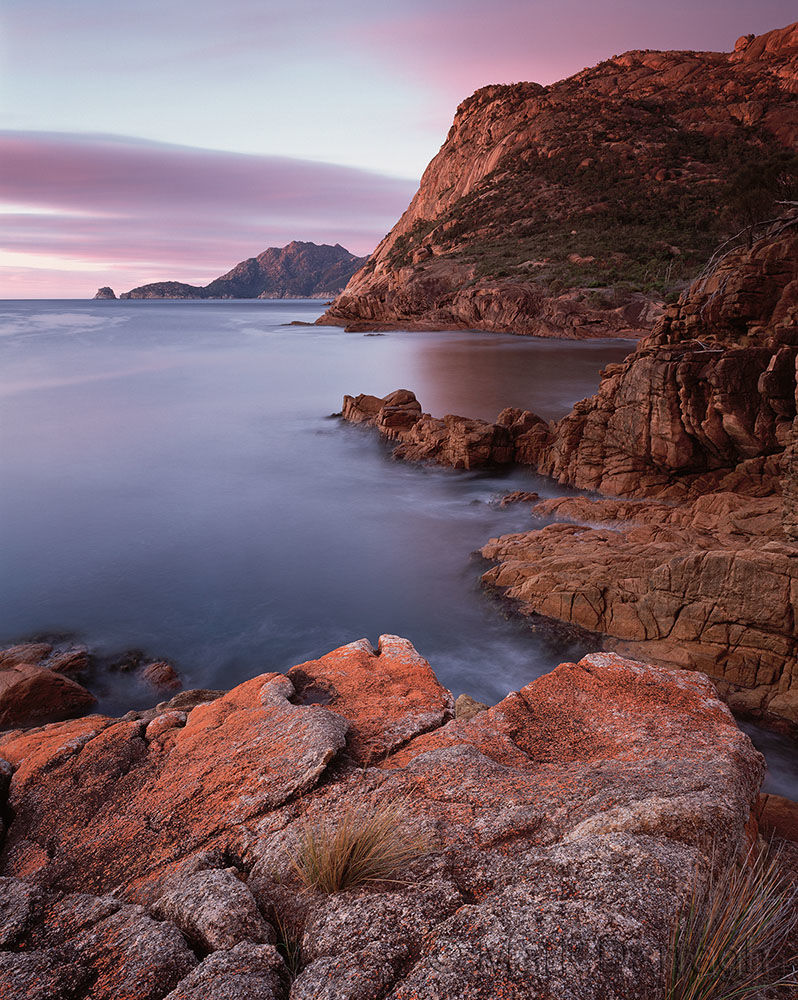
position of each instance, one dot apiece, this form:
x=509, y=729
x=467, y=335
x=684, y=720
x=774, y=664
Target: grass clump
x=364, y=843
x=732, y=939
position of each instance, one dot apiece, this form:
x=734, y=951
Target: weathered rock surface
x=105, y=293
x=214, y=910
x=388, y=695
x=161, y=676
x=246, y=972
x=553, y=210
x=559, y=831
x=98, y=948
x=297, y=270
x=712, y=390
x=708, y=585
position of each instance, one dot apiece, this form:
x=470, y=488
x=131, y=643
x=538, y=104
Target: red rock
x=164, y=723
x=459, y=442
x=778, y=816
x=29, y=652
x=704, y=586
x=31, y=695
x=388, y=695
x=519, y=496
x=574, y=811
x=148, y=804
x=161, y=676
x=72, y=662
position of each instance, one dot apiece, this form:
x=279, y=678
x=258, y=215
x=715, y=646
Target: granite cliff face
x=563, y=827
x=295, y=271
x=710, y=391
x=570, y=210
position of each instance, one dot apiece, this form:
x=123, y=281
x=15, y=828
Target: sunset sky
x=168, y=139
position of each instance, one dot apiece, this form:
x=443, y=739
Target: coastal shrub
x=732, y=939
x=364, y=843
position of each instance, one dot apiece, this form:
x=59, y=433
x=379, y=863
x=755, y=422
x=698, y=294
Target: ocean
x=174, y=480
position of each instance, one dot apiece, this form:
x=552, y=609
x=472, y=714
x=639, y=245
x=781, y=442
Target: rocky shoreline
x=691, y=560
x=562, y=830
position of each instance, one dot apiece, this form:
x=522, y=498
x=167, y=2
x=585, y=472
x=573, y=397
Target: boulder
x=214, y=909
x=246, y=972
x=563, y=825
x=31, y=695
x=160, y=676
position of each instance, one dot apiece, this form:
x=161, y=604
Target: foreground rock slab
x=559, y=834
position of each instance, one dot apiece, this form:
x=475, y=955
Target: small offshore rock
x=519, y=496
x=160, y=676
x=28, y=652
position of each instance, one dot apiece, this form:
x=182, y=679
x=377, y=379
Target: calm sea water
x=173, y=481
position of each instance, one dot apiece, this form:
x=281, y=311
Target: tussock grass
x=364, y=843
x=732, y=939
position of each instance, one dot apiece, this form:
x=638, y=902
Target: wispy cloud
x=151, y=209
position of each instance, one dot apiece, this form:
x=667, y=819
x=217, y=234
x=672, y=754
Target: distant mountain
x=296, y=271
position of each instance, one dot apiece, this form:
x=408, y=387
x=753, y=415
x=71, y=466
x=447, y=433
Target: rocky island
x=576, y=210
x=295, y=271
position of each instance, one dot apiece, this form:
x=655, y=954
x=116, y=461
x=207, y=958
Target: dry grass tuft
x=732, y=939
x=368, y=843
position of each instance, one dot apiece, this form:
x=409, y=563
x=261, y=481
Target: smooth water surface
x=173, y=481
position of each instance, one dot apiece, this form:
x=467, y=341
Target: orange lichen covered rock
x=388, y=695
x=148, y=804
x=568, y=820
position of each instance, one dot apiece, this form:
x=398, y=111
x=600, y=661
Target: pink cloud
x=171, y=212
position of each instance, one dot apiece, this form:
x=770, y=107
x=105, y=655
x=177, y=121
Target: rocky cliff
x=557, y=836
x=571, y=210
x=295, y=271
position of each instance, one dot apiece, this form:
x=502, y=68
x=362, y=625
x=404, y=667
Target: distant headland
x=296, y=271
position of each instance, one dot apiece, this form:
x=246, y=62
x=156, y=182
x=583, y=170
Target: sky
x=169, y=139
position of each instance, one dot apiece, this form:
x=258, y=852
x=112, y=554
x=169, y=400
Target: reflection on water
x=172, y=481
